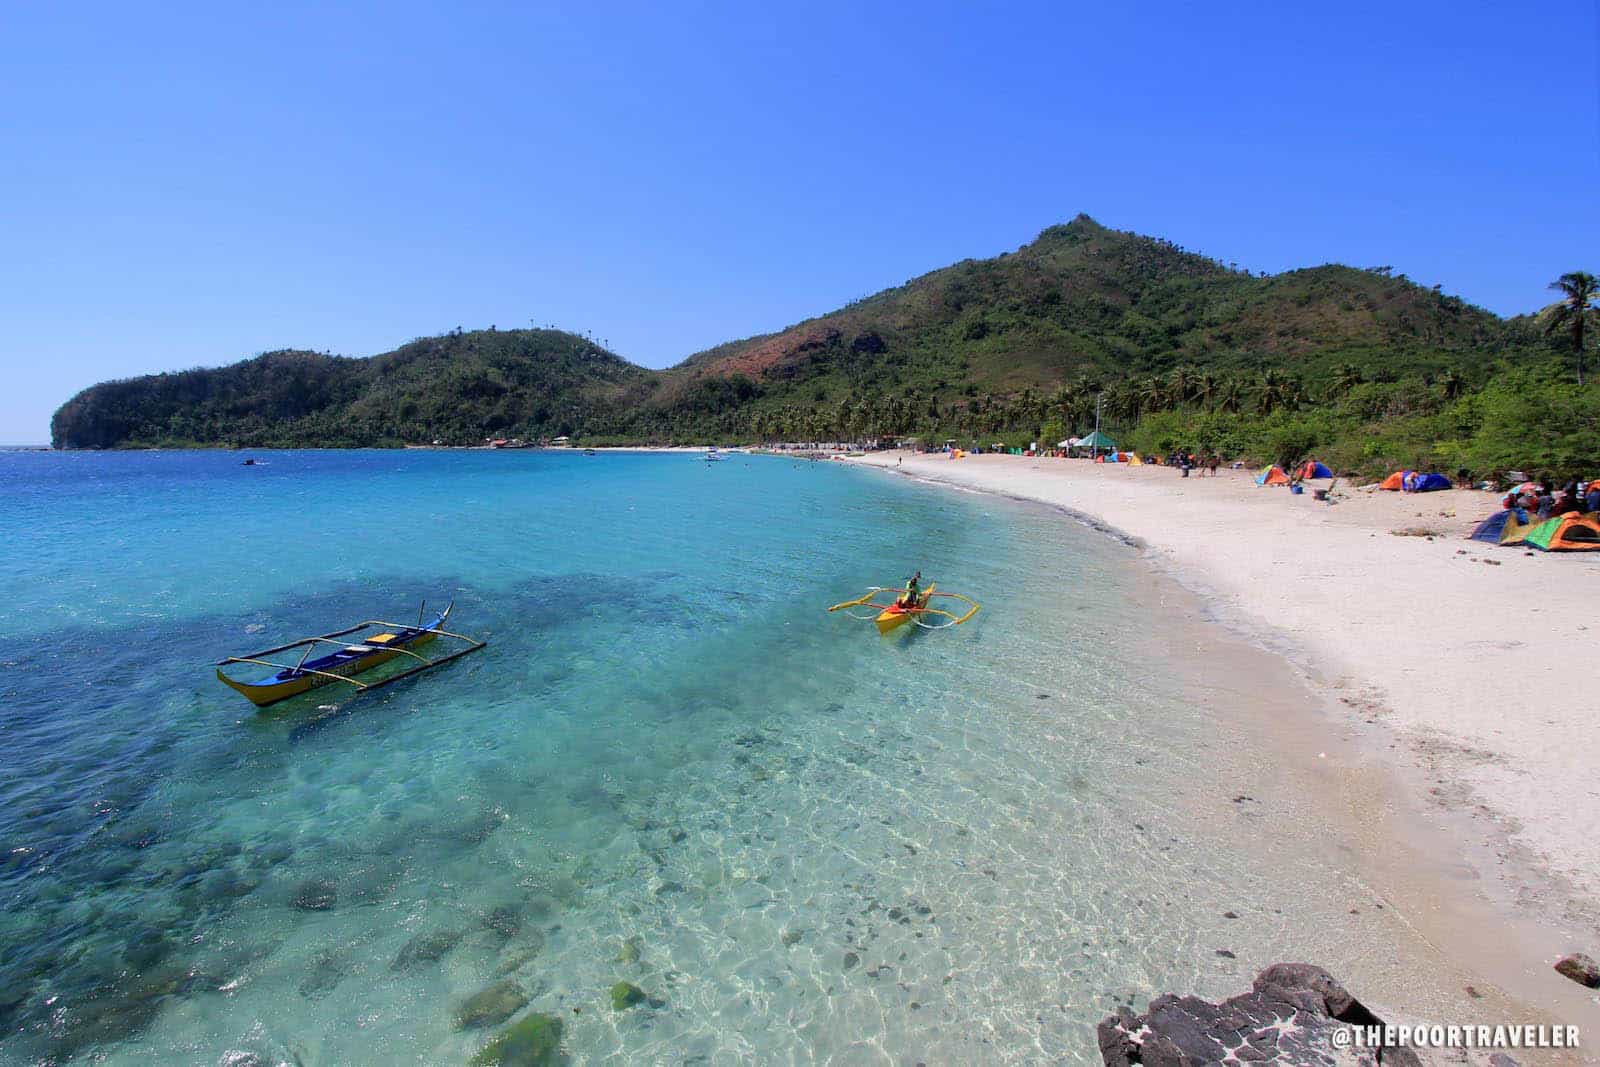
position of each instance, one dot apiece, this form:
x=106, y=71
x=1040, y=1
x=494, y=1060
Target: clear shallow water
x=669, y=766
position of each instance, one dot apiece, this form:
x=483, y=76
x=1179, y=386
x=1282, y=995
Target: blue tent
x=1426, y=483
x=1314, y=469
x=1492, y=528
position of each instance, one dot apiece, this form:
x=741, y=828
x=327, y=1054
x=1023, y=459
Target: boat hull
x=891, y=619
x=286, y=684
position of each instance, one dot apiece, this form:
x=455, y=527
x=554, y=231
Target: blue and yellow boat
x=352, y=657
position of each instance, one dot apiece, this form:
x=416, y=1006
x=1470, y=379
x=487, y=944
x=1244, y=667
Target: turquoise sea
x=670, y=766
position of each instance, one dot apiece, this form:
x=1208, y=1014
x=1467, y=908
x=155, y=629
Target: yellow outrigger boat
x=893, y=615
x=349, y=659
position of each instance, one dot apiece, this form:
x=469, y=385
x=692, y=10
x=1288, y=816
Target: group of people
x=1188, y=461
x=1540, y=499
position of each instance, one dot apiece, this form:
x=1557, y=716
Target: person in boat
x=913, y=591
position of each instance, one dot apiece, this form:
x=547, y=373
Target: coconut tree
x=1152, y=393
x=1273, y=394
x=1206, y=388
x=1346, y=376
x=1230, y=396
x=1579, y=290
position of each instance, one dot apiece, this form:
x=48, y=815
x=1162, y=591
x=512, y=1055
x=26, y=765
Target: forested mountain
x=1180, y=348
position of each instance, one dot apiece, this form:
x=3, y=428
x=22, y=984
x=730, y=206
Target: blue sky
x=191, y=185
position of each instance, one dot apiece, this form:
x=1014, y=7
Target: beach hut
x=1314, y=469
x=1495, y=528
x=1273, y=475
x=1571, y=532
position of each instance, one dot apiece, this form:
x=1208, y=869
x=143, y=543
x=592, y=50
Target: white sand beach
x=1468, y=662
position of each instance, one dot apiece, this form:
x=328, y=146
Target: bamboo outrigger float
x=350, y=658
x=896, y=613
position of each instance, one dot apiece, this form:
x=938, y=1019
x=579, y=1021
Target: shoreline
x=1450, y=781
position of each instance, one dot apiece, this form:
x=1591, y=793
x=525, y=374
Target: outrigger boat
x=894, y=614
x=399, y=639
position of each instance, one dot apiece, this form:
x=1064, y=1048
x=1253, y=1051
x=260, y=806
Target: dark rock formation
x=1288, y=1016
x=1580, y=969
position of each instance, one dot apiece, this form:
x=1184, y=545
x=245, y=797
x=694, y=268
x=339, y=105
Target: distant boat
x=712, y=455
x=588, y=451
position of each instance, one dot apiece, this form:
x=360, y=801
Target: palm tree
x=1182, y=384
x=1274, y=393
x=1346, y=376
x=1152, y=395
x=1580, y=289
x=1230, y=397
x=1206, y=388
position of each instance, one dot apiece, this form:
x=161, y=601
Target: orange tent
x=1395, y=481
x=1273, y=476
x=1571, y=532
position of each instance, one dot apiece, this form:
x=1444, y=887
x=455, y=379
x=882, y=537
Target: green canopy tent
x=1097, y=442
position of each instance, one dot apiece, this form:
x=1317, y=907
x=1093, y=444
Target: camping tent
x=1396, y=481
x=1426, y=483
x=1134, y=460
x=1272, y=476
x=1498, y=526
x=1571, y=532
x=1517, y=527
x=1313, y=469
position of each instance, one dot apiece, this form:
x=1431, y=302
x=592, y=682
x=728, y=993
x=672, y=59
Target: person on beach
x=1546, y=500
x=1591, y=498
x=1213, y=463
x=913, y=591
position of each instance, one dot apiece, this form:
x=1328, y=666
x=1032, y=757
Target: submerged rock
x=1580, y=969
x=632, y=948
x=486, y=1007
x=532, y=1042
x=316, y=894
x=1289, y=1016
x=425, y=948
x=625, y=995
x=327, y=970
x=532, y=945
x=503, y=921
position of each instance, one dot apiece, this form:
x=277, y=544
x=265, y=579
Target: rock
x=532, y=1042
x=486, y=1007
x=327, y=970
x=425, y=948
x=631, y=950
x=851, y=960
x=503, y=922
x=625, y=995
x=532, y=945
x=791, y=937
x=1580, y=969
x=316, y=894
x=1288, y=1016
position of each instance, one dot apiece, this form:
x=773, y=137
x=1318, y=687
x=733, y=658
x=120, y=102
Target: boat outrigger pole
x=348, y=659
x=896, y=613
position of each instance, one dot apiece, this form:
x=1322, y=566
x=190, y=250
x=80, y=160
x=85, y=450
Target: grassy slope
x=1081, y=302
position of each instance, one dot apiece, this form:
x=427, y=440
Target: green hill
x=1181, y=348
x=457, y=389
